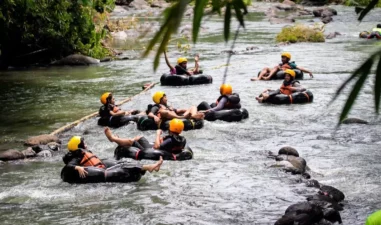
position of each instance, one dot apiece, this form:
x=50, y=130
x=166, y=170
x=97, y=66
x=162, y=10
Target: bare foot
x=108, y=134
x=254, y=79
x=187, y=115
x=155, y=166
x=260, y=100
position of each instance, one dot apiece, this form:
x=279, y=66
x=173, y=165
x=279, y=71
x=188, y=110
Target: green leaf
x=238, y=12
x=377, y=85
x=216, y=6
x=364, y=67
x=356, y=89
x=197, y=17
x=227, y=21
x=369, y=7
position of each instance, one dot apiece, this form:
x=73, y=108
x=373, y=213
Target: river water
x=228, y=181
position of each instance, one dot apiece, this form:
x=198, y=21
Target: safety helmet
x=226, y=89
x=176, y=126
x=158, y=96
x=105, y=96
x=286, y=54
x=291, y=72
x=181, y=60
x=75, y=143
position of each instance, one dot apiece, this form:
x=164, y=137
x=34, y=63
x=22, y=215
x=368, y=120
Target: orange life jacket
x=89, y=159
x=285, y=66
x=285, y=89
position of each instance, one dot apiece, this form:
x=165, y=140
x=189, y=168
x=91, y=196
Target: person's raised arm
x=157, y=140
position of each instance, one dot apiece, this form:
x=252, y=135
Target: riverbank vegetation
x=33, y=32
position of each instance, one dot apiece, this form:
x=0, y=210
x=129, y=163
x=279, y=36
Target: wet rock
x=324, y=11
x=332, y=192
x=156, y=5
x=54, y=146
x=251, y=48
x=45, y=154
x=229, y=52
x=139, y=4
x=28, y=153
x=324, y=202
x=123, y=2
x=354, y=120
x=288, y=2
x=41, y=140
x=313, y=183
x=274, y=20
x=314, y=212
x=294, y=218
x=288, y=151
x=11, y=154
x=285, y=7
x=76, y=60
x=282, y=44
x=304, y=13
x=107, y=59
x=332, y=35
x=332, y=215
x=326, y=20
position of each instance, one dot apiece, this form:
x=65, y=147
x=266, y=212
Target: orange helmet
x=176, y=126
x=105, y=96
x=226, y=89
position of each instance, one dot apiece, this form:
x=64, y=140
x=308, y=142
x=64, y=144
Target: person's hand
x=126, y=113
x=82, y=172
x=157, y=119
x=196, y=58
x=159, y=132
x=312, y=76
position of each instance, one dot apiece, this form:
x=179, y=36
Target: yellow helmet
x=291, y=72
x=176, y=126
x=74, y=143
x=226, y=89
x=104, y=97
x=181, y=60
x=158, y=96
x=286, y=54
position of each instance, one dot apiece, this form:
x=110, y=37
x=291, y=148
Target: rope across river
x=75, y=123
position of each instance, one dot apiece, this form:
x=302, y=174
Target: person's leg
x=152, y=167
x=272, y=72
x=263, y=72
x=195, y=114
x=167, y=114
x=120, y=141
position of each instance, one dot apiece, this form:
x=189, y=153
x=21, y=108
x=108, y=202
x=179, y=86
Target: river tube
x=152, y=154
x=118, y=121
x=181, y=80
x=280, y=75
x=295, y=98
x=121, y=173
x=147, y=123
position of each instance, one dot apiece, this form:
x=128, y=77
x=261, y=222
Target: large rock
x=42, y=140
x=287, y=150
x=288, y=2
x=285, y=7
x=326, y=20
x=319, y=12
x=11, y=154
x=76, y=60
x=45, y=154
x=332, y=35
x=28, y=153
x=139, y=4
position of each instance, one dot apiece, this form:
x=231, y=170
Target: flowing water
x=228, y=181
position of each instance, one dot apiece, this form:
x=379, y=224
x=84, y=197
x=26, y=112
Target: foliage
x=362, y=73
x=300, y=33
x=174, y=15
x=58, y=27
x=359, y=3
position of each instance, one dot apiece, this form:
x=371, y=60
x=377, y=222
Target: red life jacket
x=285, y=89
x=89, y=159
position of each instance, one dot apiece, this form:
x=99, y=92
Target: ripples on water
x=228, y=182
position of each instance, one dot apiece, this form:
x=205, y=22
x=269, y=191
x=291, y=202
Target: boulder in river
x=45, y=154
x=76, y=60
x=332, y=35
x=41, y=140
x=287, y=150
x=11, y=154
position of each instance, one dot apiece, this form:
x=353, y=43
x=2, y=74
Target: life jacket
x=180, y=70
x=89, y=159
x=377, y=30
x=233, y=101
x=286, y=65
x=178, y=143
x=285, y=89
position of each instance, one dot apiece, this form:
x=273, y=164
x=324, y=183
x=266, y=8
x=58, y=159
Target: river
x=228, y=181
